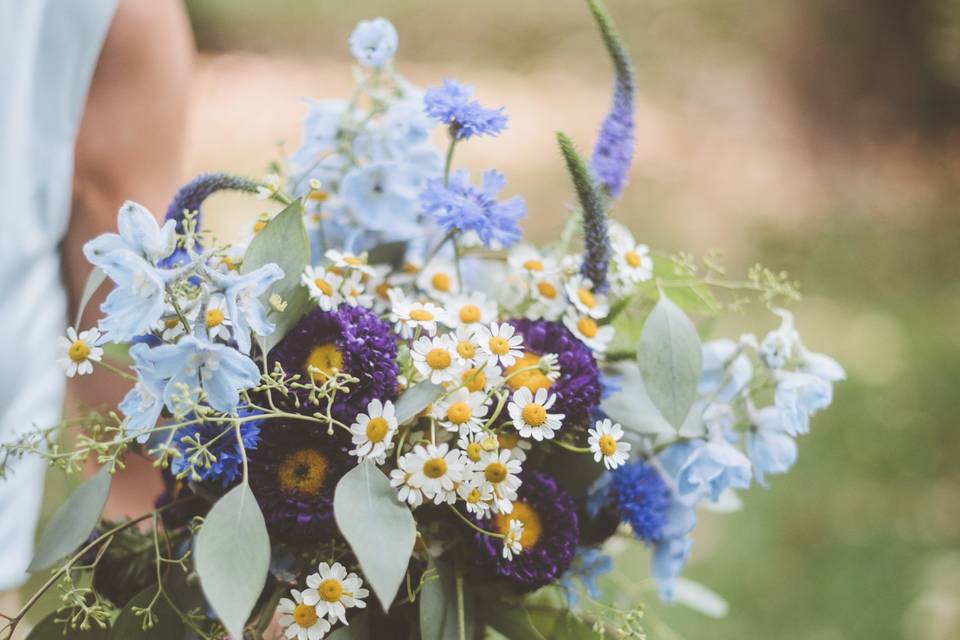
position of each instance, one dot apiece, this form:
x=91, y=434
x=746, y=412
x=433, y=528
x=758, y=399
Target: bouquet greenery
x=383, y=415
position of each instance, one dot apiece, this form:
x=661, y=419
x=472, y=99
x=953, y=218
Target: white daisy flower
x=401, y=477
x=605, y=443
x=501, y=472
x=342, y=262
x=324, y=287
x=633, y=262
x=512, y=442
x=436, y=358
x=299, y=620
x=475, y=444
x=436, y=470
x=467, y=347
x=586, y=329
x=580, y=292
x=511, y=540
x=531, y=263
x=354, y=290
x=471, y=311
x=269, y=188
x=80, y=351
x=439, y=279
x=482, y=377
x=530, y=416
x=500, y=342
x=377, y=287
x=547, y=299
x=373, y=431
x=477, y=497
x=216, y=319
x=462, y=410
x=408, y=315
x=228, y=260
x=333, y=591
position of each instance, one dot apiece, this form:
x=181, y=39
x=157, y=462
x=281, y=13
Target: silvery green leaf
x=232, y=556
x=167, y=622
x=416, y=399
x=73, y=522
x=631, y=406
x=513, y=622
x=94, y=280
x=283, y=241
x=359, y=629
x=380, y=530
x=700, y=598
x=439, y=617
x=670, y=360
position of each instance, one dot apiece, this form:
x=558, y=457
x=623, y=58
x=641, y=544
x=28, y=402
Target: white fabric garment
x=48, y=50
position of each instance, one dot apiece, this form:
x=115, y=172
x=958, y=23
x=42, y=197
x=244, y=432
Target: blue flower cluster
x=459, y=206
x=221, y=443
x=451, y=104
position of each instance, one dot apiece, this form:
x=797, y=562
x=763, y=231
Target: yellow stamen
x=305, y=616
x=586, y=298
x=435, y=468
x=469, y=313
x=495, y=472
x=330, y=590
x=214, y=317
x=466, y=350
x=499, y=345
x=532, y=529
x=587, y=327
x=421, y=315
x=532, y=379
x=473, y=451
x=78, y=351
x=474, y=379
x=324, y=286
x=440, y=282
x=302, y=472
x=438, y=358
x=547, y=290
x=352, y=261
x=632, y=258
x=534, y=414
x=608, y=446
x=459, y=413
x=377, y=429
x=533, y=265
x=322, y=361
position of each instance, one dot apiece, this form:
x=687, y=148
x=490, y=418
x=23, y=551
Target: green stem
x=449, y=161
x=461, y=608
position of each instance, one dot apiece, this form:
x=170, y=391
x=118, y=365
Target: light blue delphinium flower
x=242, y=295
x=725, y=371
x=821, y=365
x=374, y=42
x=450, y=104
x=799, y=396
x=463, y=207
x=320, y=129
x=139, y=233
x=382, y=196
x=669, y=557
x=713, y=465
x=142, y=405
x=195, y=364
x=770, y=447
x=588, y=565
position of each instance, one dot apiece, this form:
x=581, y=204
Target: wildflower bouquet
x=383, y=415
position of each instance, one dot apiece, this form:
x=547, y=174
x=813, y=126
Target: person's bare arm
x=128, y=147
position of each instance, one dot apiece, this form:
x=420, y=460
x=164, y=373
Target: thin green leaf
x=232, y=557
x=167, y=624
x=94, y=280
x=380, y=530
x=439, y=617
x=670, y=360
x=416, y=399
x=73, y=522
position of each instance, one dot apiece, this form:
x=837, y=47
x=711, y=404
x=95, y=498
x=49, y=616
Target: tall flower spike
x=613, y=152
x=191, y=195
x=596, y=240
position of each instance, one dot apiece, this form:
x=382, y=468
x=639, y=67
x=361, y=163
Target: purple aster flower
x=451, y=105
x=550, y=534
x=460, y=206
x=642, y=498
x=222, y=442
x=578, y=387
x=293, y=473
x=350, y=339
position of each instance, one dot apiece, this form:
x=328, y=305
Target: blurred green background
x=819, y=137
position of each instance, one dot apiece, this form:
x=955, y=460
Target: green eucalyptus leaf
x=416, y=399
x=670, y=360
x=358, y=629
x=631, y=406
x=232, y=557
x=391, y=253
x=73, y=522
x=380, y=530
x=283, y=241
x=50, y=629
x=94, y=280
x=167, y=623
x=439, y=615
x=513, y=621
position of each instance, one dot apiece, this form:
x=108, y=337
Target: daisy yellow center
x=321, y=362
x=607, y=444
x=377, y=429
x=421, y=315
x=171, y=322
x=586, y=298
x=495, y=472
x=474, y=379
x=382, y=289
x=409, y=267
x=532, y=529
x=534, y=414
x=532, y=378
x=473, y=451
x=438, y=358
x=78, y=351
x=508, y=440
x=324, y=286
x=587, y=326
x=330, y=590
x=632, y=258
x=302, y=472
x=228, y=262
x=466, y=350
x=469, y=313
x=353, y=262
x=435, y=468
x=318, y=195
x=259, y=226
x=499, y=345
x=440, y=282
x=533, y=265
x=459, y=412
x=547, y=290
x=305, y=616
x=214, y=318
x=474, y=496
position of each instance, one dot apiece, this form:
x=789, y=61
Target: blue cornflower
x=712, y=466
x=374, y=42
x=770, y=447
x=451, y=105
x=219, y=370
x=588, y=565
x=229, y=459
x=799, y=396
x=142, y=405
x=460, y=206
x=139, y=234
x=242, y=294
x=383, y=196
x=641, y=497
